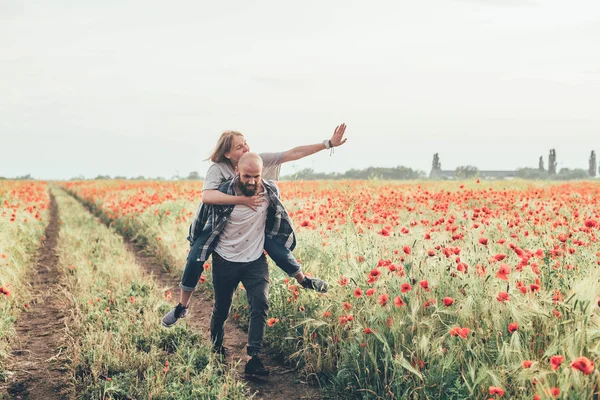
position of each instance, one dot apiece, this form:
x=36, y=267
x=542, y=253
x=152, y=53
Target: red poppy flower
x=502, y=296
x=383, y=299
x=483, y=241
x=373, y=276
x=406, y=288
x=424, y=284
x=590, y=223
x=583, y=364
x=448, y=301
x=496, y=390
x=555, y=361
x=375, y=272
x=527, y=363
x=539, y=253
x=523, y=289
x=358, y=292
x=557, y=297
x=512, y=327
x=368, y=331
x=503, y=272
x=398, y=302
x=534, y=288
x=370, y=292
x=458, y=331
x=406, y=250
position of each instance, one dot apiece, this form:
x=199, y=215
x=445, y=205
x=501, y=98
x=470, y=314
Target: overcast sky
x=140, y=87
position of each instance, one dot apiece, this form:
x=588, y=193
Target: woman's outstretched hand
x=338, y=136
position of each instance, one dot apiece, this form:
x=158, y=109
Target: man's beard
x=248, y=189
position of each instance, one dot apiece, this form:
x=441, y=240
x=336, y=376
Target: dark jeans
x=278, y=253
x=193, y=268
x=282, y=257
x=254, y=276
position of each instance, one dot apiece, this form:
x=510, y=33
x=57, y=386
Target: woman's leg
x=285, y=260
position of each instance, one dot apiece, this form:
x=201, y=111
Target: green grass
x=116, y=343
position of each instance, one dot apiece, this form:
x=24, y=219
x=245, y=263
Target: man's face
x=249, y=179
x=238, y=148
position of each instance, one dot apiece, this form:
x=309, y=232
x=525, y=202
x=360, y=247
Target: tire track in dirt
x=281, y=384
x=38, y=370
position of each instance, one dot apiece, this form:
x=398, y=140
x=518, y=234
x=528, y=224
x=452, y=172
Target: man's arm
x=302, y=151
x=217, y=197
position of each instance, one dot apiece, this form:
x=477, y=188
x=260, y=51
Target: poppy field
x=456, y=290
x=437, y=289
x=23, y=217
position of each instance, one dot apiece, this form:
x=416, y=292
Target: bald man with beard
x=235, y=237
x=239, y=257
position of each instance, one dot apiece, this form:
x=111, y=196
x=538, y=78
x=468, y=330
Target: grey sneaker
x=315, y=284
x=174, y=315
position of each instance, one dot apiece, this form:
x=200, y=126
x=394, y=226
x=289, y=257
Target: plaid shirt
x=211, y=219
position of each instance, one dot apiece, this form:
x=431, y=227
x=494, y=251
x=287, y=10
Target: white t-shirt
x=219, y=172
x=243, y=238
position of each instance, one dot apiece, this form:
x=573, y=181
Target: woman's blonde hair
x=223, y=146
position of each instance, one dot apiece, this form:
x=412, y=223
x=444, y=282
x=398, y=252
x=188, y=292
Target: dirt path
x=282, y=384
x=37, y=367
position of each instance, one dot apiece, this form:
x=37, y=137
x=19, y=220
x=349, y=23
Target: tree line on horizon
x=539, y=173
x=406, y=173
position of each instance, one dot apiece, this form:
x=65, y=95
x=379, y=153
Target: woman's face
x=238, y=148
